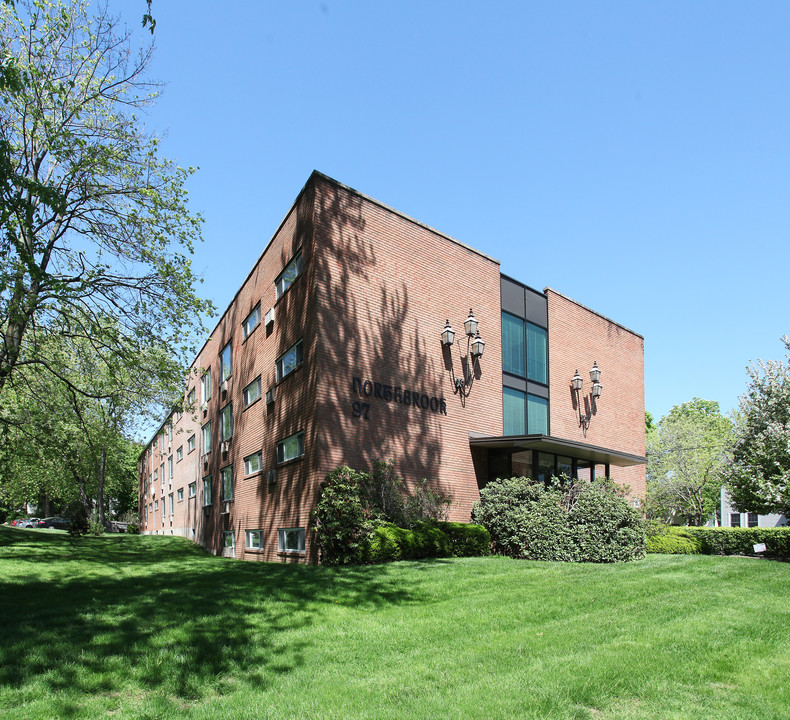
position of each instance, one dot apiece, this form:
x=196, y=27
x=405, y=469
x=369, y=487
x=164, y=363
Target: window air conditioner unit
x=269, y=317
x=205, y=459
x=204, y=408
x=224, y=387
x=270, y=396
x=226, y=508
x=225, y=446
x=271, y=476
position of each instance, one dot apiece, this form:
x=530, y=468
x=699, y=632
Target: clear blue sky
x=633, y=156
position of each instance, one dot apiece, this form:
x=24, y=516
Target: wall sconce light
x=474, y=350
x=576, y=385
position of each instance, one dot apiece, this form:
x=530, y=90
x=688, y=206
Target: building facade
x=335, y=351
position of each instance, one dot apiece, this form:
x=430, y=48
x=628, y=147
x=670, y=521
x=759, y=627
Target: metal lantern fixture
x=595, y=392
x=448, y=334
x=474, y=350
x=470, y=324
x=478, y=346
x=595, y=373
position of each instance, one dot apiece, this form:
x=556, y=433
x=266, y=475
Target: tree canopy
x=759, y=479
x=686, y=451
x=99, y=316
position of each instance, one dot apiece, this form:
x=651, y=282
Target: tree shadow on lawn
x=197, y=625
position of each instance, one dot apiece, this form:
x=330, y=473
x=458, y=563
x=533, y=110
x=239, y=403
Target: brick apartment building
x=334, y=352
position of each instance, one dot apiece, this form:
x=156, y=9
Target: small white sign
x=759, y=547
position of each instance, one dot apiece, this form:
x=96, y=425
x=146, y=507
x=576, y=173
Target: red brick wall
x=386, y=285
x=578, y=337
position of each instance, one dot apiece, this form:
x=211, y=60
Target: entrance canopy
x=557, y=446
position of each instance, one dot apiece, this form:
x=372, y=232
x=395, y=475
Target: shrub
x=740, y=541
x=339, y=520
x=671, y=540
x=132, y=529
x=426, y=504
x=388, y=543
x=570, y=521
x=468, y=539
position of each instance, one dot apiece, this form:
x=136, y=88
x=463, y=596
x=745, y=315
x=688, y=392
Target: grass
x=151, y=627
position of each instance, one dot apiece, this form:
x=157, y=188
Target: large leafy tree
x=759, y=479
x=93, y=222
x=686, y=451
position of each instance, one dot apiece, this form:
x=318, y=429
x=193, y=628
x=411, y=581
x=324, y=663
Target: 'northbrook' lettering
x=390, y=393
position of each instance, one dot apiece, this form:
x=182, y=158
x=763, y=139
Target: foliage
x=741, y=541
x=686, y=451
x=759, y=479
x=490, y=637
x=132, y=529
x=339, y=518
x=388, y=543
x=569, y=521
x=353, y=503
x=671, y=540
x=468, y=539
x=94, y=222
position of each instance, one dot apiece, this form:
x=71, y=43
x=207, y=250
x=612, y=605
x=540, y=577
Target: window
x=752, y=520
x=229, y=540
x=207, y=490
x=180, y=453
x=253, y=463
x=735, y=519
x=205, y=386
x=192, y=489
x=291, y=272
x=191, y=443
x=291, y=539
x=226, y=423
x=162, y=473
x=170, y=467
x=191, y=398
x=513, y=413
x=254, y=539
x=287, y=363
x=170, y=432
x=156, y=505
x=513, y=355
x=252, y=392
x=156, y=475
x=226, y=476
x=252, y=321
x=523, y=413
x=537, y=355
x=537, y=415
x=170, y=503
x=207, y=438
x=180, y=494
x=290, y=448
x=225, y=363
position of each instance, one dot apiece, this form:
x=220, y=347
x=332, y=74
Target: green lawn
x=151, y=627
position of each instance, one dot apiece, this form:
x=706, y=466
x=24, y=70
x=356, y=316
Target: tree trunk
x=100, y=489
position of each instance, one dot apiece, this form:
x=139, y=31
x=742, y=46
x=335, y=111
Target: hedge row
x=388, y=542
x=741, y=541
x=719, y=541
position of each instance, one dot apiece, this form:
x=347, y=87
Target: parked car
x=30, y=522
x=58, y=523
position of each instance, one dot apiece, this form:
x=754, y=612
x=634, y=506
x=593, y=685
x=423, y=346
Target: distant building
x=334, y=352
x=733, y=517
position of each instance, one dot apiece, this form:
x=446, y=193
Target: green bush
x=468, y=539
x=740, y=541
x=388, y=543
x=339, y=520
x=132, y=529
x=569, y=521
x=671, y=540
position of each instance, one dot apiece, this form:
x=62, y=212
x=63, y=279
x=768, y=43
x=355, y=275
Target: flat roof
x=558, y=446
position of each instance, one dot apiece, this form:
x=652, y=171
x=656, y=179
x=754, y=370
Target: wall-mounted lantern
x=595, y=392
x=475, y=346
